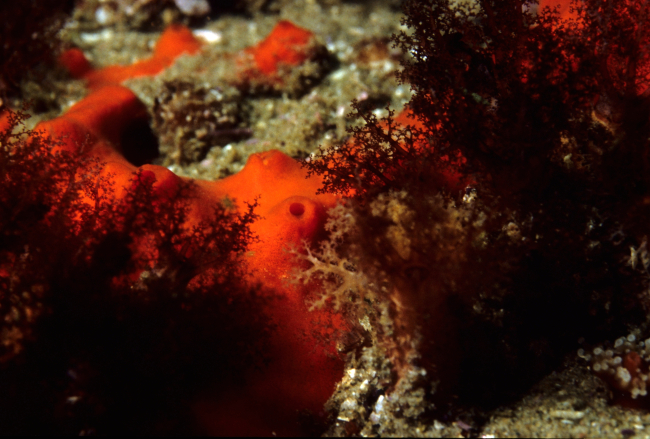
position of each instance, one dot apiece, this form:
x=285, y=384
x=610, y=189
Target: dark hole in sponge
x=297, y=209
x=139, y=143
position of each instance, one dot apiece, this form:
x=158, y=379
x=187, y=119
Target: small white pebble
x=338, y=75
x=193, y=7
x=209, y=36
x=103, y=15
x=388, y=66
x=379, y=406
x=364, y=385
x=623, y=375
x=399, y=91
x=349, y=404
x=567, y=414
x=106, y=34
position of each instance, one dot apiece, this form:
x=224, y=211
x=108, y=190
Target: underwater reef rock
x=436, y=273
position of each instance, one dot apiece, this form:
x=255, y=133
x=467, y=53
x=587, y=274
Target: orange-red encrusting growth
x=303, y=366
x=75, y=62
x=101, y=117
x=286, y=44
x=4, y=120
x=175, y=41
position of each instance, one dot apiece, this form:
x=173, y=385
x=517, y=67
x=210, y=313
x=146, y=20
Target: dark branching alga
x=548, y=123
x=114, y=315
